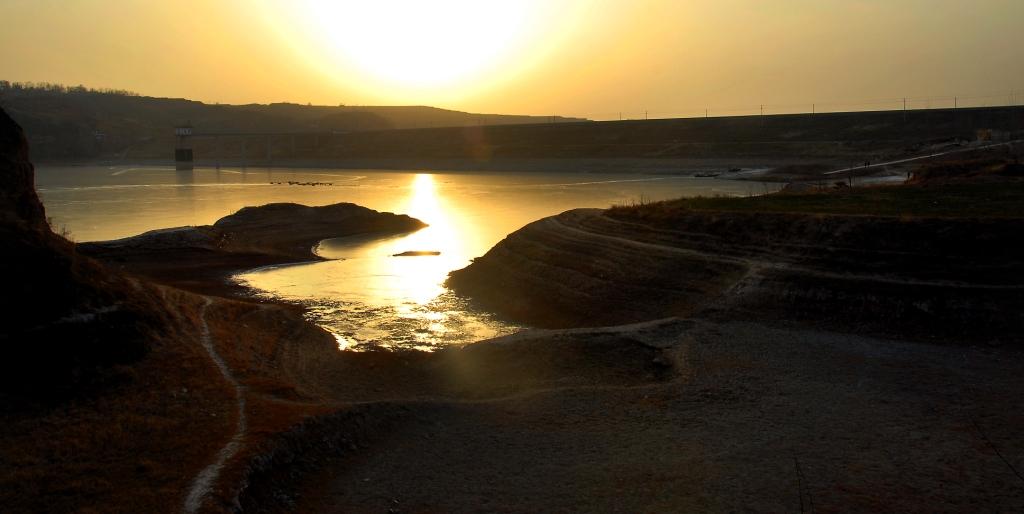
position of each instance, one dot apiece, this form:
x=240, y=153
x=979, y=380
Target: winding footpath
x=202, y=484
x=555, y=223
x=923, y=157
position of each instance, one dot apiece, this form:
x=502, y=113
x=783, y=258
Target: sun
x=421, y=43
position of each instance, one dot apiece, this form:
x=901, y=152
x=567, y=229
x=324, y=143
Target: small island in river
x=201, y=258
x=417, y=253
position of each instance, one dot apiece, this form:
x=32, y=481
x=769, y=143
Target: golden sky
x=591, y=58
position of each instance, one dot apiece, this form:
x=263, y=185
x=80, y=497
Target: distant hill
x=84, y=125
x=79, y=123
x=810, y=143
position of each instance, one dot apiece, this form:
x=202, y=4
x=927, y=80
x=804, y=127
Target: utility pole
x=620, y=115
x=814, y=109
x=705, y=114
x=645, y=114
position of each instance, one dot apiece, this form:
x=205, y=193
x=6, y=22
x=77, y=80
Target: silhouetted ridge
x=18, y=201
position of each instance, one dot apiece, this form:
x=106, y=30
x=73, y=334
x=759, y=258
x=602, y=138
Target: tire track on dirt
x=555, y=223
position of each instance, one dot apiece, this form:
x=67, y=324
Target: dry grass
x=135, y=446
x=129, y=448
x=978, y=169
x=988, y=200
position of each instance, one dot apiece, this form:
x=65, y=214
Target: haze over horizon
x=574, y=57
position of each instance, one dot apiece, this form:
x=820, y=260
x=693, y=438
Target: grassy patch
x=999, y=200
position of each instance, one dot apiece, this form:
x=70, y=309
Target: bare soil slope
x=932, y=277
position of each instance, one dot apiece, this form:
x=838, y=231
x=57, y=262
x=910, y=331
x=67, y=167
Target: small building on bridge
x=183, y=158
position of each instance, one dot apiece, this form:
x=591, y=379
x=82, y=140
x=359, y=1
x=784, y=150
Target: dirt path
x=759, y=264
x=923, y=157
x=204, y=481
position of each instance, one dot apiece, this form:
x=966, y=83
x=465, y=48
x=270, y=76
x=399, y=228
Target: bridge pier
x=183, y=157
x=218, y=152
x=218, y=149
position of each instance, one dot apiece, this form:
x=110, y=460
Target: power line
x=904, y=104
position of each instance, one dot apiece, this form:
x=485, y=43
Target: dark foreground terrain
x=683, y=416
x=122, y=393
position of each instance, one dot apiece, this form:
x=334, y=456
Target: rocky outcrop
x=19, y=204
x=953, y=279
x=279, y=229
x=67, y=320
x=292, y=230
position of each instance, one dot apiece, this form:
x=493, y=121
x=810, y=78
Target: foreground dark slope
x=930, y=276
x=111, y=391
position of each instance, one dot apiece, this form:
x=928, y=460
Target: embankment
x=942, y=278
x=823, y=140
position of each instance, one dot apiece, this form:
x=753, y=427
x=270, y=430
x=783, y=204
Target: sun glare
x=421, y=277
x=421, y=43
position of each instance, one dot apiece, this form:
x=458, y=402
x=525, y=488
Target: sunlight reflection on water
x=382, y=298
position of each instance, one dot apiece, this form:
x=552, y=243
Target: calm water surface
x=365, y=296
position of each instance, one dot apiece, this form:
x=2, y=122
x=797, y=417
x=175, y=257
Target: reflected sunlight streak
x=421, y=277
